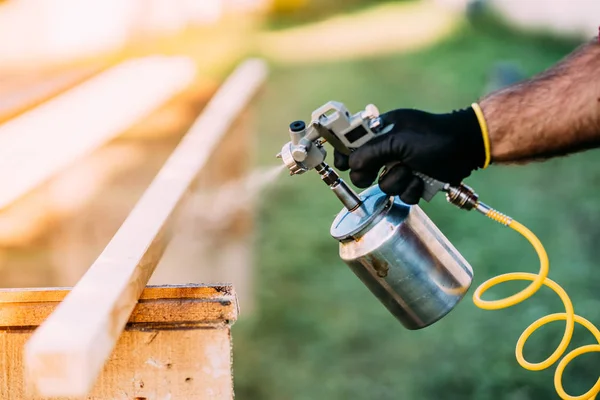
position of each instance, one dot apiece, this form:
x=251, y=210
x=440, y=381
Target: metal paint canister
x=402, y=257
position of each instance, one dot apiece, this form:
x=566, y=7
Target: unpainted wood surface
x=66, y=353
x=150, y=364
x=168, y=305
x=218, y=232
x=176, y=344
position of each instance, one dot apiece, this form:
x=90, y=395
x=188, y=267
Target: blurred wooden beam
x=22, y=91
x=41, y=142
x=53, y=234
x=66, y=353
x=135, y=155
x=175, y=334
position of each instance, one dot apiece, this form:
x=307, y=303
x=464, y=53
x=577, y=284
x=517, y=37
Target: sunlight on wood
x=43, y=141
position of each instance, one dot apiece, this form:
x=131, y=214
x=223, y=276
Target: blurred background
x=308, y=328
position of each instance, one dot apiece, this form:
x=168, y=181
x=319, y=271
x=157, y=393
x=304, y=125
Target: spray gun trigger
x=431, y=186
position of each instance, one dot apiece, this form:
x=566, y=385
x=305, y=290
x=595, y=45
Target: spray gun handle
x=431, y=188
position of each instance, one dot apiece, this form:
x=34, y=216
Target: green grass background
x=318, y=333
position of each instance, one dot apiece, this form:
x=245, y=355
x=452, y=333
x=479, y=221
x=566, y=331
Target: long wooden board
x=67, y=352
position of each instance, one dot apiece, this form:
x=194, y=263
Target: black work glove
x=446, y=147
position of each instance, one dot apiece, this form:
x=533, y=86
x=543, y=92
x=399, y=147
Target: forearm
x=554, y=113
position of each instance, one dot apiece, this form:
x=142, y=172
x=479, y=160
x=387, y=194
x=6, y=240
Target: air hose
x=537, y=281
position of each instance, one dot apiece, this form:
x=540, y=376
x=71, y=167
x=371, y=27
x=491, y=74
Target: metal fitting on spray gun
x=466, y=199
x=344, y=193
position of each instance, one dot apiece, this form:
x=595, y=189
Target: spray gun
x=393, y=248
x=401, y=256
x=333, y=123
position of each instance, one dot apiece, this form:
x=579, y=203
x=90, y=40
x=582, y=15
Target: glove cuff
x=484, y=134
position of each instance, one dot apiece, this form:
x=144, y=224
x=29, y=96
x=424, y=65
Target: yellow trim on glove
x=484, y=133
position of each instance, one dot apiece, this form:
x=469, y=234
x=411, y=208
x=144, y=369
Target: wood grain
x=66, y=353
x=176, y=344
x=173, y=305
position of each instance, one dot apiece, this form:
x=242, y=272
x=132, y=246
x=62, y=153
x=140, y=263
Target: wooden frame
x=175, y=334
x=67, y=352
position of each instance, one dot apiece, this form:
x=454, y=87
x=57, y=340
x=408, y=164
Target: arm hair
x=555, y=113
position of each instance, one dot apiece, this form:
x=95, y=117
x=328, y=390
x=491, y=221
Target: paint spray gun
x=393, y=248
x=399, y=253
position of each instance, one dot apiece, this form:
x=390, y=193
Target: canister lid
x=347, y=224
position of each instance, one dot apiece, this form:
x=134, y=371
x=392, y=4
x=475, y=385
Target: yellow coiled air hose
x=537, y=281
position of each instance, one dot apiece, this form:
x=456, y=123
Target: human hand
x=446, y=147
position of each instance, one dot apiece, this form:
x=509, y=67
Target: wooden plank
x=221, y=233
x=149, y=364
x=155, y=292
x=21, y=91
x=165, y=304
x=176, y=344
x=43, y=141
x=67, y=352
